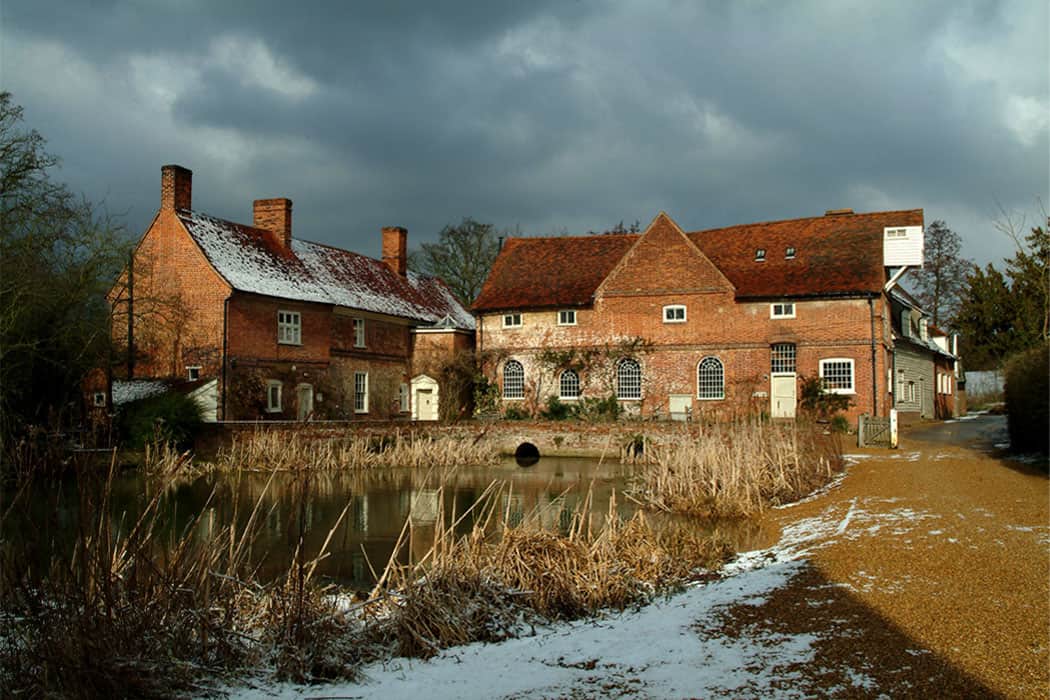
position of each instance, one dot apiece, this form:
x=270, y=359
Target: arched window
x=710, y=379
x=569, y=385
x=628, y=379
x=513, y=380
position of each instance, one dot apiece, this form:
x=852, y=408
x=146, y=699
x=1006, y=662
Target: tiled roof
x=251, y=260
x=838, y=254
x=833, y=255
x=543, y=272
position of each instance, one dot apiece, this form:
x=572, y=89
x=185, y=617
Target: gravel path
x=940, y=549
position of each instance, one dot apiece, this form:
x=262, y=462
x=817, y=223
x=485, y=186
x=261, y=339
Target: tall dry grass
x=735, y=469
x=292, y=451
x=482, y=585
x=122, y=616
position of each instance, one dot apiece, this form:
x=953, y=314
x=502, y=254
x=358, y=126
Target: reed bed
x=736, y=469
x=291, y=451
x=121, y=616
x=482, y=586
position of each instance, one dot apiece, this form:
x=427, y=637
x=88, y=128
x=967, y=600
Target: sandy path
x=948, y=546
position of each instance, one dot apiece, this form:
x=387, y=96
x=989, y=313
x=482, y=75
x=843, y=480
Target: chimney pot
x=176, y=187
x=275, y=216
x=395, y=249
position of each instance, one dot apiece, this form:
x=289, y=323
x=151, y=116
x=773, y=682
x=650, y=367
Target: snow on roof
x=128, y=390
x=251, y=260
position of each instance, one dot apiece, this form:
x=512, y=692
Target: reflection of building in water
x=359, y=514
x=425, y=506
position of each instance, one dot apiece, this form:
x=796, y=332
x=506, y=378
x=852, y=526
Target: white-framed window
x=569, y=385
x=289, y=328
x=512, y=320
x=359, y=332
x=402, y=398
x=837, y=374
x=360, y=392
x=782, y=309
x=567, y=317
x=628, y=379
x=674, y=313
x=710, y=379
x=273, y=396
x=782, y=358
x=98, y=399
x=193, y=372
x=760, y=254
x=789, y=253
x=513, y=380
x=896, y=233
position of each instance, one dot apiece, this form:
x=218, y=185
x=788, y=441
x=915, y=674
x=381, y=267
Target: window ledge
x=289, y=342
x=705, y=398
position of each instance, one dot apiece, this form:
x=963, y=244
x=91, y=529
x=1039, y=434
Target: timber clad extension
x=288, y=329
x=674, y=323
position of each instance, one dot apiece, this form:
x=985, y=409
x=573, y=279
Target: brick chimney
x=274, y=215
x=395, y=249
x=176, y=187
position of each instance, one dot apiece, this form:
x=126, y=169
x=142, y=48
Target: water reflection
x=379, y=504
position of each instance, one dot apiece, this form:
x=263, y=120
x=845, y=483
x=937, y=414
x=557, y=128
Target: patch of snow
x=128, y=390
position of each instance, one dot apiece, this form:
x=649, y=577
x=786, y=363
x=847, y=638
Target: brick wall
x=739, y=334
x=178, y=302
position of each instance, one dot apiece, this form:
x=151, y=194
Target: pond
x=379, y=504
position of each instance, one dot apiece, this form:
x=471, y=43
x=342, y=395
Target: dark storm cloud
x=548, y=116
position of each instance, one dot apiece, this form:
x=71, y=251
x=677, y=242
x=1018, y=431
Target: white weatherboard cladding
x=902, y=245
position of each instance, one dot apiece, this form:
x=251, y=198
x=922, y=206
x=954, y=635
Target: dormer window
x=512, y=320
x=760, y=255
x=674, y=313
x=789, y=253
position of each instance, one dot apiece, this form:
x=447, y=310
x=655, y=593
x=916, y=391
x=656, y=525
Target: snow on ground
x=652, y=652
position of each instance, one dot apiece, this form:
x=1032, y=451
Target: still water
x=379, y=503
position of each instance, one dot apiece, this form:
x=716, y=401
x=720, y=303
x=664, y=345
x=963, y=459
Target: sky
x=544, y=117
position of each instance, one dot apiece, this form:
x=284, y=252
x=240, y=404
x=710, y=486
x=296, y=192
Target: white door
x=426, y=405
x=782, y=395
x=306, y=401
x=679, y=406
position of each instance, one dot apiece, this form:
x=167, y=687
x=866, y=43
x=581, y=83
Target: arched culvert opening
x=527, y=454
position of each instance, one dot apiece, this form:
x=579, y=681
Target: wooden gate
x=877, y=432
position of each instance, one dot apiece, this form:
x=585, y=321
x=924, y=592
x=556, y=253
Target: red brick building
x=287, y=329
x=721, y=321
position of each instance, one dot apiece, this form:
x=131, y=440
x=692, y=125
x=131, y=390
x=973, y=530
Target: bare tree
x=942, y=280
x=462, y=257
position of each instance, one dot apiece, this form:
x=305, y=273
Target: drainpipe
x=874, y=364
x=131, y=315
x=225, y=329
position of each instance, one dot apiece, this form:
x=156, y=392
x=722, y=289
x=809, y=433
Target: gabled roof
x=545, y=272
x=251, y=260
x=834, y=255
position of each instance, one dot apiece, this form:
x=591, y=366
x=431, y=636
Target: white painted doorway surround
x=424, y=398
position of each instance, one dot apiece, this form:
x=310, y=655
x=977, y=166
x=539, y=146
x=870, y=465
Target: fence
x=873, y=431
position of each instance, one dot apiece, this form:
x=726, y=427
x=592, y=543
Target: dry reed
x=292, y=451
x=736, y=469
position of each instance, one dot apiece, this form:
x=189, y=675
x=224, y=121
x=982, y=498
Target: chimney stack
x=395, y=249
x=274, y=215
x=838, y=212
x=176, y=187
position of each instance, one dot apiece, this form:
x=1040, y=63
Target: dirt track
x=941, y=549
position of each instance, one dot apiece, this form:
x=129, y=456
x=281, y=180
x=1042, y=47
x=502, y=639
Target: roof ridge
x=574, y=237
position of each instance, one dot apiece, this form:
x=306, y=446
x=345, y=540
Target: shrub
x=556, y=410
x=1026, y=395
x=516, y=413
x=171, y=417
x=599, y=409
x=819, y=402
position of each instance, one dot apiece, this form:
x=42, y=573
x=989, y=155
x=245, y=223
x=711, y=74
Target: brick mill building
x=723, y=321
x=279, y=327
